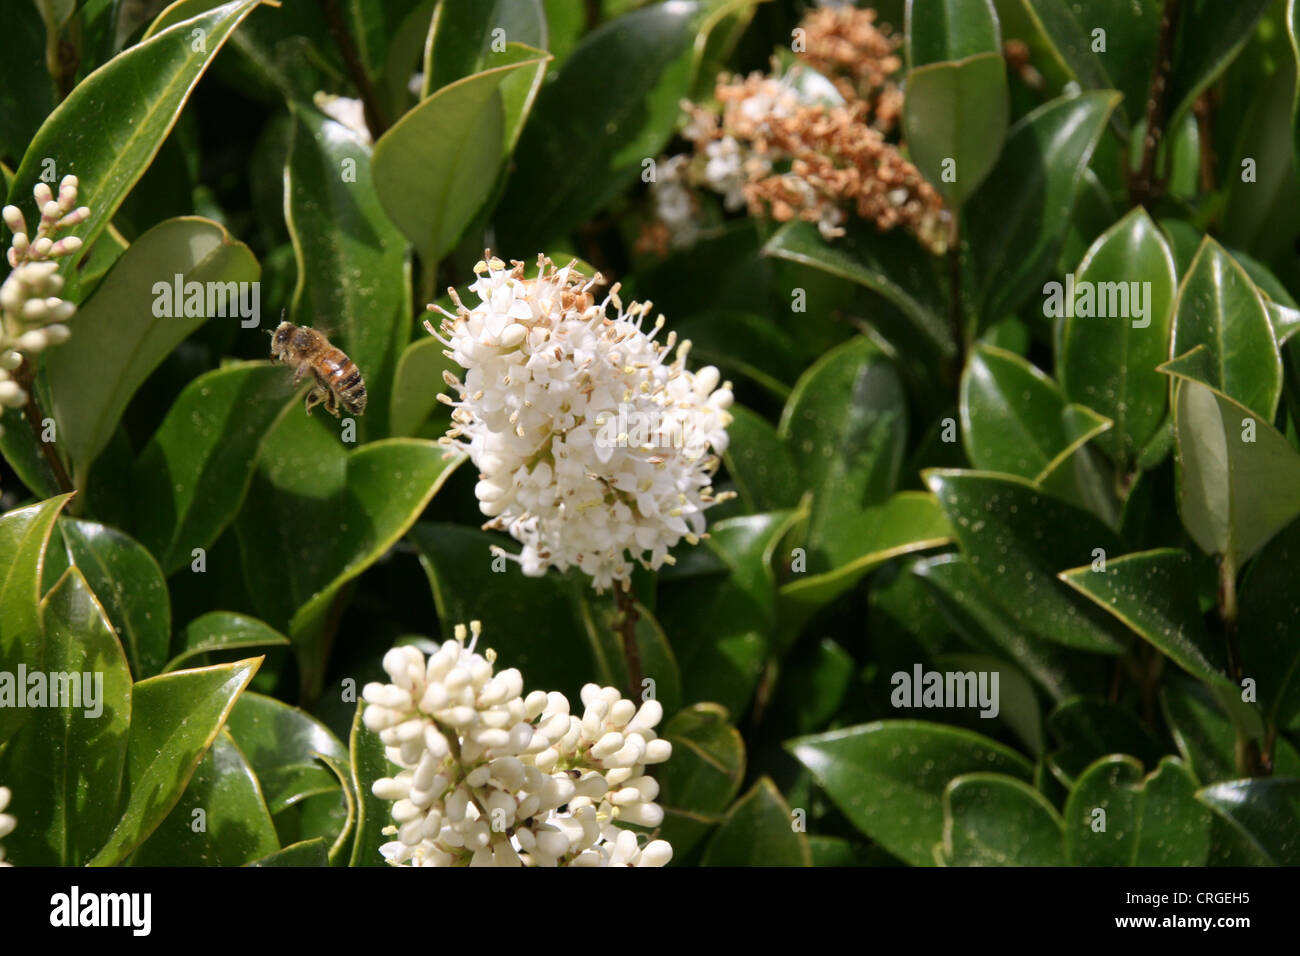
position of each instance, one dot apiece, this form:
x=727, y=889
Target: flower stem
x=376, y=115
x=627, y=629
x=1144, y=188
x=1247, y=750
x=25, y=377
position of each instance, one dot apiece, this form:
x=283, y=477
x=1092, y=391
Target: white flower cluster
x=31, y=312
x=7, y=822
x=592, y=450
x=491, y=777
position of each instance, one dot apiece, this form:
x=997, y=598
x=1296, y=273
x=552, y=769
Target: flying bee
x=337, y=379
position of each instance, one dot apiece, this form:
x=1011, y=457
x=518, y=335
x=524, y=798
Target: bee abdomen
x=342, y=375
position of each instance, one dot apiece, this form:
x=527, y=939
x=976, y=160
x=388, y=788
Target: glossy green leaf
x=949, y=30
x=1120, y=58
x=990, y=819
x=1266, y=812
x=641, y=62
x=759, y=830
x=846, y=427
x=1012, y=532
x=1154, y=594
x=889, y=777
x=417, y=385
x=224, y=796
x=529, y=622
x=191, y=478
x=812, y=687
x=909, y=521
x=118, y=338
x=1151, y=820
x=366, y=756
x=108, y=140
x=67, y=761
x=222, y=631
x=435, y=168
x=1219, y=308
x=1234, y=493
x=24, y=537
x=281, y=743
x=174, y=719
x=1108, y=362
x=353, y=275
x=890, y=263
x=1269, y=605
x=128, y=583
x=1210, y=35
x=1089, y=728
x=1013, y=222
x=1015, y=697
x=1015, y=419
x=703, y=776
x=988, y=627
x=955, y=120
x=463, y=37
x=760, y=463
x=313, y=852
x=1206, y=737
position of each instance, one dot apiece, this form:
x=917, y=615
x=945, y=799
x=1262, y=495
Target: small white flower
x=592, y=450
x=7, y=822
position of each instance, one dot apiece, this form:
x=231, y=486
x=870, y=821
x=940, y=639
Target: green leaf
x=417, y=384
x=313, y=852
x=128, y=583
x=955, y=120
x=1209, y=36
x=1130, y=29
x=1013, y=222
x=281, y=743
x=24, y=537
x=743, y=344
x=760, y=463
x=222, y=631
x=846, y=428
x=1207, y=738
x=66, y=762
x=108, y=140
x=1089, y=728
x=1266, y=812
x=1154, y=594
x=703, y=776
x=462, y=36
x=237, y=826
x=118, y=338
x=353, y=274
x=889, y=263
x=306, y=479
x=978, y=617
x=602, y=620
x=812, y=686
x=1011, y=531
x=1234, y=494
x=529, y=622
x=1146, y=821
x=758, y=830
x=174, y=719
x=1269, y=604
x=1108, y=363
x=1015, y=697
x=191, y=478
x=1219, y=308
x=909, y=521
x=889, y=777
x=949, y=30
x=990, y=819
x=1015, y=419
x=437, y=166
x=641, y=62
x=366, y=755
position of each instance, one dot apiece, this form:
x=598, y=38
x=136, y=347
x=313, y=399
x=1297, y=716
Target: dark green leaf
x=703, y=776
x=1266, y=812
x=222, y=631
x=994, y=820
x=759, y=830
x=281, y=743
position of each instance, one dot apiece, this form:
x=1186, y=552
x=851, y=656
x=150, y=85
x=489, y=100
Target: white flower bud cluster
x=32, y=315
x=493, y=777
x=592, y=449
x=7, y=822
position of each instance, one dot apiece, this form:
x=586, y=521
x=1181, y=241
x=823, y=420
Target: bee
x=337, y=379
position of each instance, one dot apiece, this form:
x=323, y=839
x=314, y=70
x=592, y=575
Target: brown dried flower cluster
x=845, y=45
x=804, y=146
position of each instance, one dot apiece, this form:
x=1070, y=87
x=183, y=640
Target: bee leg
x=300, y=374
x=313, y=398
x=331, y=403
